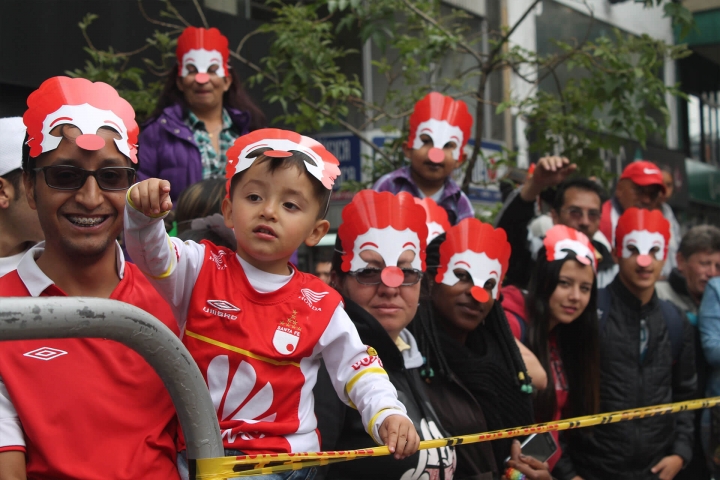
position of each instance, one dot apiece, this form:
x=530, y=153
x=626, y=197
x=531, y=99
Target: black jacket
x=628, y=450
x=514, y=218
x=341, y=426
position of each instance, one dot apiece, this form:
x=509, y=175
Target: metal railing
x=80, y=317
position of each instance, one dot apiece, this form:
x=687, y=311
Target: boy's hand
x=151, y=196
x=668, y=467
x=400, y=436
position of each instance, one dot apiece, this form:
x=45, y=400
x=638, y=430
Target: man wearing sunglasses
x=81, y=408
x=19, y=226
x=577, y=204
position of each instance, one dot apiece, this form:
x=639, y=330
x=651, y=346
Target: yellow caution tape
x=264, y=464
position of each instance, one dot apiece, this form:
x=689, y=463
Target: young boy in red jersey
x=257, y=326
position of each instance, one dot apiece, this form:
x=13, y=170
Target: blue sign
x=346, y=148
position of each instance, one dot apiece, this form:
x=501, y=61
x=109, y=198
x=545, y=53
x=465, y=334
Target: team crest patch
x=287, y=335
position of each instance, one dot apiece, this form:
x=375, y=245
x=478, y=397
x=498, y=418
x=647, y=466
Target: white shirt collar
x=35, y=279
x=264, y=282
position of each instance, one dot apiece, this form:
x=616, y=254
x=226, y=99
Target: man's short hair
x=701, y=238
x=297, y=160
x=15, y=179
x=581, y=183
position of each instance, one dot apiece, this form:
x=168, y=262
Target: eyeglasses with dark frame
x=577, y=213
x=69, y=177
x=372, y=276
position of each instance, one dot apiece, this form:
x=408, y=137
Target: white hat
x=12, y=134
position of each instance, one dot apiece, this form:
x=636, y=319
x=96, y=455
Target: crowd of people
x=425, y=323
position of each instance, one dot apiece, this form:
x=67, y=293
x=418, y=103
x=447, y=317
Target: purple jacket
x=167, y=148
x=453, y=200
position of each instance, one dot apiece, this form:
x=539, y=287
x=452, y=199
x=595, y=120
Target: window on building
x=703, y=119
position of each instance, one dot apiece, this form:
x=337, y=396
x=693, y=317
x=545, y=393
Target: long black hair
x=577, y=341
x=236, y=97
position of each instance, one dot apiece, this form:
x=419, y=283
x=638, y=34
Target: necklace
x=215, y=132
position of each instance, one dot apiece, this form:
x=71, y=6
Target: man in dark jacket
x=640, y=364
x=698, y=261
x=577, y=204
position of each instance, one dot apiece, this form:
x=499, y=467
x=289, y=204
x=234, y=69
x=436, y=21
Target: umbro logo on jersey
x=45, y=353
x=221, y=308
x=310, y=298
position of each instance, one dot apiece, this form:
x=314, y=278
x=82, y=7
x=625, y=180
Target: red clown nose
x=644, y=260
x=202, y=78
x=480, y=294
x=436, y=155
x=392, y=276
x=90, y=141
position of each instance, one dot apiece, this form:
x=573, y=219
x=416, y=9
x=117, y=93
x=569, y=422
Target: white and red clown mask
x=86, y=105
x=436, y=218
x=202, y=48
x=278, y=143
x=479, y=249
x=444, y=120
x=561, y=241
x=387, y=224
x=644, y=230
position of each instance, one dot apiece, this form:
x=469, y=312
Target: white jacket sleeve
x=11, y=433
x=357, y=374
x=171, y=265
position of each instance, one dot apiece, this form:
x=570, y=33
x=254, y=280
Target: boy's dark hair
x=581, y=183
x=297, y=160
x=701, y=238
x=15, y=179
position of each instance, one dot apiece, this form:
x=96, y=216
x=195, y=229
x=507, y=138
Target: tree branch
x=201, y=13
x=506, y=37
x=156, y=22
x=432, y=21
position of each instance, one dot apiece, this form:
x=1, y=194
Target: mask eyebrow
x=58, y=120
x=114, y=124
x=368, y=244
x=426, y=129
x=409, y=243
x=462, y=262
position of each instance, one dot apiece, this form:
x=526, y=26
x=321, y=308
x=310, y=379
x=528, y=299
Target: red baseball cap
x=644, y=173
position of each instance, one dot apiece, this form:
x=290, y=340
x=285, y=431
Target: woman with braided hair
x=474, y=371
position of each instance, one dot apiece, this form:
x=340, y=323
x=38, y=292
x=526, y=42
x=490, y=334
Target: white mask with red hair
x=86, y=105
x=444, y=120
x=646, y=231
x=436, y=218
x=279, y=144
x=387, y=224
x=561, y=240
x=479, y=249
x=202, y=48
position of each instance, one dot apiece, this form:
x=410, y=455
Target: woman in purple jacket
x=201, y=112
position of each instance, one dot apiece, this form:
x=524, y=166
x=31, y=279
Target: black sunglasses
x=67, y=177
x=372, y=276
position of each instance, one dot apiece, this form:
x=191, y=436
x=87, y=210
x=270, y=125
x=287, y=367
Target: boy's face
x=273, y=214
x=83, y=222
x=641, y=259
x=424, y=169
